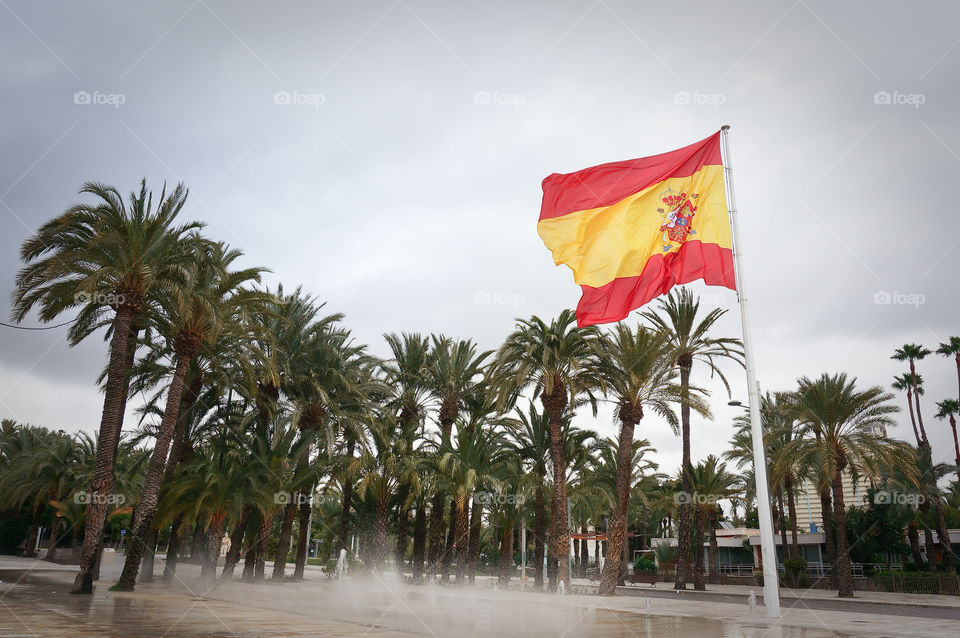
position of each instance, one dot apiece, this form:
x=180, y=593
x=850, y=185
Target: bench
x=649, y=577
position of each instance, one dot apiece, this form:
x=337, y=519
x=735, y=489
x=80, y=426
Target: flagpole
x=768, y=551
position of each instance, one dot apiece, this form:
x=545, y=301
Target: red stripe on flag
x=607, y=184
x=694, y=260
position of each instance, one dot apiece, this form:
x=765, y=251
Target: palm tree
x=912, y=352
x=452, y=369
x=636, y=370
x=384, y=468
x=105, y=256
x=952, y=349
x=691, y=342
x=555, y=359
x=211, y=300
x=468, y=460
x=905, y=383
x=405, y=377
x=949, y=409
x=529, y=437
x=711, y=482
x=837, y=420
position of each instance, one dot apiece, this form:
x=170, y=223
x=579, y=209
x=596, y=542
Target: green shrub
x=644, y=564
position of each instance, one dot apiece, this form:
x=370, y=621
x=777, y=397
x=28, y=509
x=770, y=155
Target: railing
x=745, y=569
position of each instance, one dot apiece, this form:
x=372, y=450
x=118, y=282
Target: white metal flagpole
x=768, y=551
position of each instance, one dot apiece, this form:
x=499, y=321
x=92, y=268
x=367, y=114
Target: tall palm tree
x=905, y=383
x=405, y=377
x=210, y=301
x=555, y=359
x=636, y=369
x=104, y=256
x=911, y=353
x=837, y=420
x=949, y=409
x=691, y=342
x=952, y=349
x=711, y=482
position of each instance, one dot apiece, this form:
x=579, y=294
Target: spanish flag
x=632, y=230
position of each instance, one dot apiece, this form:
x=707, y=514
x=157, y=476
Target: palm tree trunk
x=173, y=548
x=684, y=362
x=539, y=534
x=343, y=535
x=449, y=549
x=33, y=532
x=475, y=518
x=111, y=420
x=913, y=535
x=829, y=533
x=283, y=544
x=844, y=571
x=437, y=528
x=208, y=569
x=303, y=534
x=700, y=529
x=463, y=538
x=928, y=543
x=150, y=497
x=949, y=560
x=783, y=521
x=260, y=548
x=419, y=540
x=506, y=555
x=554, y=404
x=177, y=448
x=52, y=542
x=618, y=520
x=381, y=531
x=584, y=554
x=792, y=509
x=236, y=542
x=956, y=443
x=403, y=525
x=714, y=574
x=916, y=401
x=913, y=418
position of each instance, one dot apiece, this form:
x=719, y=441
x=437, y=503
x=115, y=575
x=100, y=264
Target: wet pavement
x=36, y=602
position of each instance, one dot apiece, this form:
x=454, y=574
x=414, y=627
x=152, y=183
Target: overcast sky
x=388, y=157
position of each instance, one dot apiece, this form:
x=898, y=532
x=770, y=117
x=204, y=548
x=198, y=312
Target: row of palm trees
x=267, y=417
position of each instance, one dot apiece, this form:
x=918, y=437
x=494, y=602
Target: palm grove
x=270, y=423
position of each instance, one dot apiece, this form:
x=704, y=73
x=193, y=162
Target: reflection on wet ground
x=38, y=604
